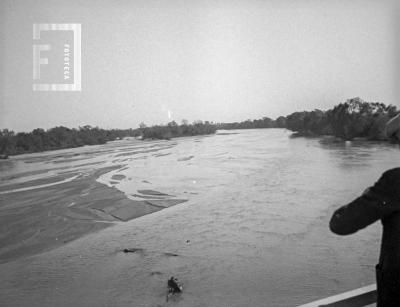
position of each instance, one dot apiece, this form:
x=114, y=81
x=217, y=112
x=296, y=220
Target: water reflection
x=357, y=153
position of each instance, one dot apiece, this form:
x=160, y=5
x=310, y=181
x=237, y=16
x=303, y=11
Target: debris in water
x=174, y=287
x=171, y=254
x=132, y=250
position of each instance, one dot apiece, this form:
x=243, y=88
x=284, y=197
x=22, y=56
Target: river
x=254, y=231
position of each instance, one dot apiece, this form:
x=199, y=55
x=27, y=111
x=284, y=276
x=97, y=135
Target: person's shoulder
x=389, y=184
x=393, y=172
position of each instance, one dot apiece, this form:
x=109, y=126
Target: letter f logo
x=37, y=60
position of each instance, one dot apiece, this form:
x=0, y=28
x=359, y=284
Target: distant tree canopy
x=348, y=120
x=356, y=118
x=315, y=122
x=63, y=137
x=265, y=122
x=57, y=138
x=172, y=129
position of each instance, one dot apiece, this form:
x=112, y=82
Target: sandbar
x=47, y=217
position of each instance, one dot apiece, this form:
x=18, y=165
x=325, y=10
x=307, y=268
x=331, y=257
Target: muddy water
x=252, y=233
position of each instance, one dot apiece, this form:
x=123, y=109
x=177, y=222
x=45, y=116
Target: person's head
x=393, y=129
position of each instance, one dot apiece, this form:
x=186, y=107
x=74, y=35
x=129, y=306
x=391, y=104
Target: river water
x=254, y=231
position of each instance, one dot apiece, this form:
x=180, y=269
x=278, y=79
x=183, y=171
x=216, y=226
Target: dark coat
x=380, y=202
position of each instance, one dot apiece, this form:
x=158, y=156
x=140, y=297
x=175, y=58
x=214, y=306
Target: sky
x=156, y=61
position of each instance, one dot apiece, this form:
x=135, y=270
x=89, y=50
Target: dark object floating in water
x=174, y=286
x=171, y=254
x=3, y=156
x=132, y=250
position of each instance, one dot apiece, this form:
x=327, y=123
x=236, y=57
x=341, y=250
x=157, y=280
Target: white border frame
x=76, y=28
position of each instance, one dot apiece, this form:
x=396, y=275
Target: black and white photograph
x=199, y=153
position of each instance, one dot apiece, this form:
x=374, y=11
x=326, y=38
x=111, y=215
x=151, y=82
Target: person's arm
x=360, y=213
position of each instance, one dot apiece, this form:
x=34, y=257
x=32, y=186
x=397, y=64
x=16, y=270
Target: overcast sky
x=156, y=61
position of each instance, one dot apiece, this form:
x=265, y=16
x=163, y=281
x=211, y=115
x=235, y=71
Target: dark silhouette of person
x=379, y=202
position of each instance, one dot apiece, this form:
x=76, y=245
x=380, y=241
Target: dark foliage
x=354, y=118
x=57, y=138
x=351, y=119
x=265, y=122
x=174, y=130
x=62, y=137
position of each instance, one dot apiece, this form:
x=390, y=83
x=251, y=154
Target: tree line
x=351, y=119
x=354, y=118
x=38, y=140
x=172, y=129
x=56, y=138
